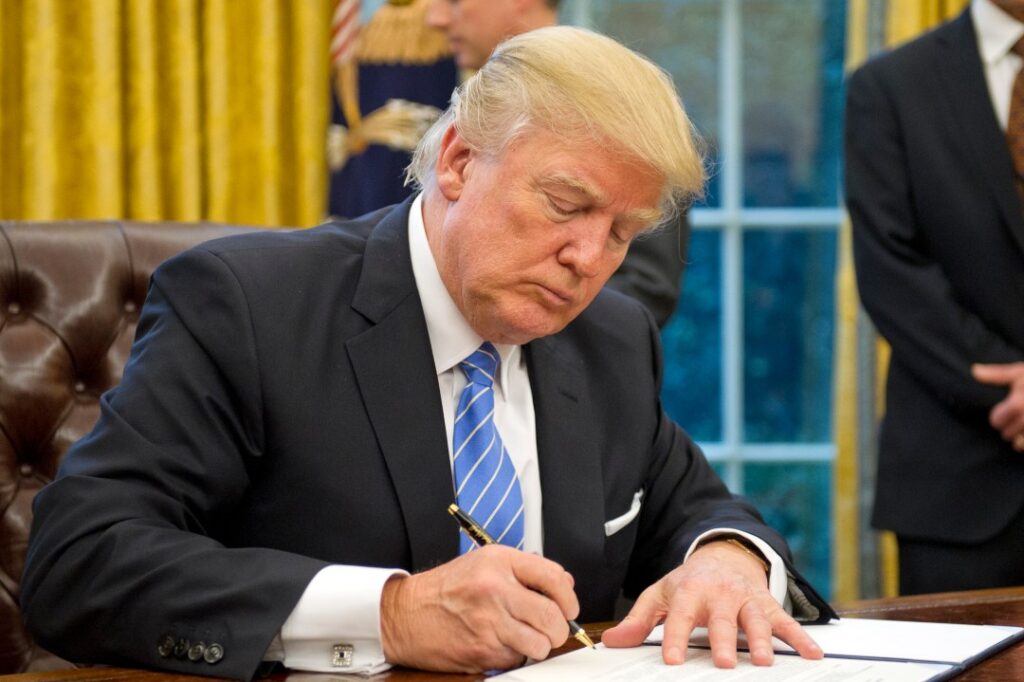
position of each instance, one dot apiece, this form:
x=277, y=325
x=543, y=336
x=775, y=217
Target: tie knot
x=482, y=364
x=1018, y=47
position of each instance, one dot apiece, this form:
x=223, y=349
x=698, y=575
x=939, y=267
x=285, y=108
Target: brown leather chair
x=70, y=294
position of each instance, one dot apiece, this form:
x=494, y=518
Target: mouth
x=556, y=297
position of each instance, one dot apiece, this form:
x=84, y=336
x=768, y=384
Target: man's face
x=524, y=241
x=474, y=27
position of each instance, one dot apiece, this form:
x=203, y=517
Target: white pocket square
x=619, y=522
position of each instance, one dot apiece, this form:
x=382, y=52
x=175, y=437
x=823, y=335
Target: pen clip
x=470, y=527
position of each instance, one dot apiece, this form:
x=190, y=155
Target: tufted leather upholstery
x=70, y=293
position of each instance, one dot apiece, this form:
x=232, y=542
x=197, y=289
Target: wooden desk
x=994, y=607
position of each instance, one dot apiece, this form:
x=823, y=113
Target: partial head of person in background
x=475, y=27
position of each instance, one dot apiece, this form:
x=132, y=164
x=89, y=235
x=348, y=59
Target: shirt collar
x=451, y=338
x=997, y=31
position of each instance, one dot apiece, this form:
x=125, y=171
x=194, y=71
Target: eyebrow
x=646, y=216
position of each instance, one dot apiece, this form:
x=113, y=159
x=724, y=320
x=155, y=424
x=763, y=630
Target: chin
x=524, y=331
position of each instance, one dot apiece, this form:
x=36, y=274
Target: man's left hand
x=722, y=588
x=1007, y=417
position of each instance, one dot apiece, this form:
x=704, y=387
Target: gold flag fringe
x=398, y=33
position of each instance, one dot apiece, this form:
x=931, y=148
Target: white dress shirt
x=341, y=605
x=997, y=32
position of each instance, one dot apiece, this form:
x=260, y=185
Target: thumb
x=635, y=627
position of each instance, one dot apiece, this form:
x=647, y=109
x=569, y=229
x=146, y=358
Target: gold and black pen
x=481, y=537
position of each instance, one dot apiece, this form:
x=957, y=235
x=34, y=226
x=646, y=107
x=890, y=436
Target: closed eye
x=561, y=207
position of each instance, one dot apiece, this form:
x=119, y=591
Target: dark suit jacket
x=652, y=271
x=939, y=246
x=280, y=411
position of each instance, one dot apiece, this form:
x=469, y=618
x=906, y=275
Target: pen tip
x=583, y=638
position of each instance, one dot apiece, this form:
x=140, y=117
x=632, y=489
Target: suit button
x=214, y=653
x=181, y=648
x=166, y=646
x=196, y=651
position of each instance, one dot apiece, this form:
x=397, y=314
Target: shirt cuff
x=335, y=626
x=778, y=580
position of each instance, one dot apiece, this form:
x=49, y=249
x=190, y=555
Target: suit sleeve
x=903, y=288
x=130, y=559
x=653, y=268
x=685, y=499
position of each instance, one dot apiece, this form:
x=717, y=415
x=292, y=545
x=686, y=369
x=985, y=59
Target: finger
x=1008, y=417
x=1002, y=414
x=758, y=628
x=548, y=578
x=524, y=640
x=537, y=611
x=1018, y=442
x=790, y=632
x=682, y=617
x=638, y=623
x=722, y=631
x=996, y=375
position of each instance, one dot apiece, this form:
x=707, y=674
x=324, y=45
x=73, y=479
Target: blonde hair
x=583, y=86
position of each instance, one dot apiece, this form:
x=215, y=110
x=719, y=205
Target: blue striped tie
x=486, y=484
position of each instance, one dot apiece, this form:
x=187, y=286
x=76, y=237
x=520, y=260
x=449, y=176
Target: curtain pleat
x=164, y=110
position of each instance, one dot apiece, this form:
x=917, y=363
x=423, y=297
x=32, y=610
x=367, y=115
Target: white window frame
x=732, y=220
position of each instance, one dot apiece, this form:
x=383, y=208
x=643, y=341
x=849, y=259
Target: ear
x=453, y=162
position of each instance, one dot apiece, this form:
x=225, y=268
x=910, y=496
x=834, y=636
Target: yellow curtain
x=164, y=109
x=866, y=33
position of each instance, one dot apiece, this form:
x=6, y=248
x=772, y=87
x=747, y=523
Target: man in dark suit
x=939, y=247
x=652, y=271
x=270, y=480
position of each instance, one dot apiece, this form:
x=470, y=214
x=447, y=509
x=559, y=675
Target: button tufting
x=14, y=308
x=129, y=306
x=27, y=470
x=79, y=387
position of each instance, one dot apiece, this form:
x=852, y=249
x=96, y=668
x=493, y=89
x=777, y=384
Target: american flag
x=344, y=31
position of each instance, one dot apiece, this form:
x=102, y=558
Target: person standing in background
x=392, y=79
x=934, y=171
x=653, y=269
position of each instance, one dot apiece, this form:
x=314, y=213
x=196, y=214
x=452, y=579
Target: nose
x=585, y=252
x=439, y=14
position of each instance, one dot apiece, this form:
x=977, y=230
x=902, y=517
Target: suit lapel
x=569, y=457
x=964, y=85
x=395, y=372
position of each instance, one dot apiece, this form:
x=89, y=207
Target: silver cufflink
x=342, y=655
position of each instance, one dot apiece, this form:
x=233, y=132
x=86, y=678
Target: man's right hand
x=488, y=609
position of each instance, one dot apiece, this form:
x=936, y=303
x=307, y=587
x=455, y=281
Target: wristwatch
x=741, y=542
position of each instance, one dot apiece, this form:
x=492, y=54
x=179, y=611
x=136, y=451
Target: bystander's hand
x=720, y=587
x=488, y=609
x=1007, y=417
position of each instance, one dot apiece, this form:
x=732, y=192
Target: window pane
x=682, y=37
x=792, y=101
x=787, y=328
x=796, y=500
x=692, y=340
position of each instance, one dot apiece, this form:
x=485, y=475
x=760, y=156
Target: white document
x=644, y=663
x=894, y=640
